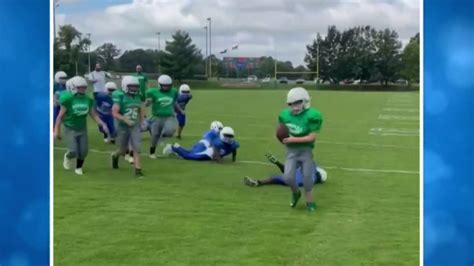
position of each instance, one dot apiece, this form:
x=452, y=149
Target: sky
x=278, y=28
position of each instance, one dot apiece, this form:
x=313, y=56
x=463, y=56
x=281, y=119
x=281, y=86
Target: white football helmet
x=165, y=82
x=130, y=84
x=323, y=173
x=216, y=126
x=78, y=85
x=60, y=77
x=69, y=84
x=298, y=99
x=110, y=86
x=227, y=135
x=184, y=88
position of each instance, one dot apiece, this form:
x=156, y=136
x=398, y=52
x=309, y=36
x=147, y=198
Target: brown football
x=282, y=132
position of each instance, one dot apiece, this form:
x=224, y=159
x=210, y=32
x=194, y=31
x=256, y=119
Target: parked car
x=299, y=81
x=283, y=80
x=266, y=80
x=252, y=78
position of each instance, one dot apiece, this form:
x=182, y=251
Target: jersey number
x=131, y=114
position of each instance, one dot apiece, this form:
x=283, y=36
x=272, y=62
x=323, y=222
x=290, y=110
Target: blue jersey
x=58, y=87
x=210, y=136
x=183, y=100
x=223, y=148
x=104, y=103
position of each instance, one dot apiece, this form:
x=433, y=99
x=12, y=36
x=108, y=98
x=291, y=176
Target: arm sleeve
x=315, y=122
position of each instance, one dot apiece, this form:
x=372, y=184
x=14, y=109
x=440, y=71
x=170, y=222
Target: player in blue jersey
x=60, y=79
x=213, y=146
x=319, y=175
x=184, y=97
x=103, y=107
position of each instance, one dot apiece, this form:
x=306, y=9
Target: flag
x=235, y=47
x=223, y=52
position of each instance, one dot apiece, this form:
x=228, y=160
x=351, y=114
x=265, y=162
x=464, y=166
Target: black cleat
x=139, y=173
x=115, y=160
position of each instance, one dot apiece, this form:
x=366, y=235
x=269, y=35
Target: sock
x=130, y=153
x=152, y=150
x=105, y=136
x=79, y=163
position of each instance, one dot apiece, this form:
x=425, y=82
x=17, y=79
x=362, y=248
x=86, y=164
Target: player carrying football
x=303, y=123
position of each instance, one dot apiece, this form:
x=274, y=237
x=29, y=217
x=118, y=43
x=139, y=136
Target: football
x=282, y=132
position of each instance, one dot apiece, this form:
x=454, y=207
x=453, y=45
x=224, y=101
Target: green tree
x=69, y=48
x=411, y=60
x=107, y=52
x=387, y=55
x=181, y=57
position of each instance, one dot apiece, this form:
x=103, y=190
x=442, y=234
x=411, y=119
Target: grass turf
x=199, y=213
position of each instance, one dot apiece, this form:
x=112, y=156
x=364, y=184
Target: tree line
x=358, y=53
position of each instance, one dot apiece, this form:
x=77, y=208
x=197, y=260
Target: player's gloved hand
x=183, y=112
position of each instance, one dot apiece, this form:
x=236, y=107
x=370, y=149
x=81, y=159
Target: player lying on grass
x=103, y=107
x=209, y=148
x=129, y=111
x=75, y=106
x=319, y=175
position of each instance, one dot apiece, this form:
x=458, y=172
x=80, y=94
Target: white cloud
x=279, y=28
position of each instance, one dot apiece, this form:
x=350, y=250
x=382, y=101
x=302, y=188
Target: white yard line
x=266, y=163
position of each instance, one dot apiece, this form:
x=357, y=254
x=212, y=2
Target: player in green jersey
x=163, y=101
x=303, y=123
x=128, y=110
x=75, y=106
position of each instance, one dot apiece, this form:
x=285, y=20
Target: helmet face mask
x=130, y=85
x=298, y=100
x=111, y=87
x=132, y=89
x=296, y=107
x=81, y=90
x=227, y=135
x=78, y=85
x=60, y=77
x=184, y=89
x=165, y=82
x=165, y=87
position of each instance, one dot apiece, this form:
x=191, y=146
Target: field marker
x=266, y=163
x=399, y=117
x=394, y=131
x=407, y=110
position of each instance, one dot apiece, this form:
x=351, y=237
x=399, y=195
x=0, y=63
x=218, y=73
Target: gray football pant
x=77, y=143
x=128, y=136
x=162, y=127
x=299, y=157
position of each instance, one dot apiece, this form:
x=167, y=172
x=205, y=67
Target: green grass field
x=200, y=213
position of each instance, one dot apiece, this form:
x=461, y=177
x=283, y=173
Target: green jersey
x=162, y=102
x=302, y=124
x=129, y=105
x=77, y=107
x=143, y=80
